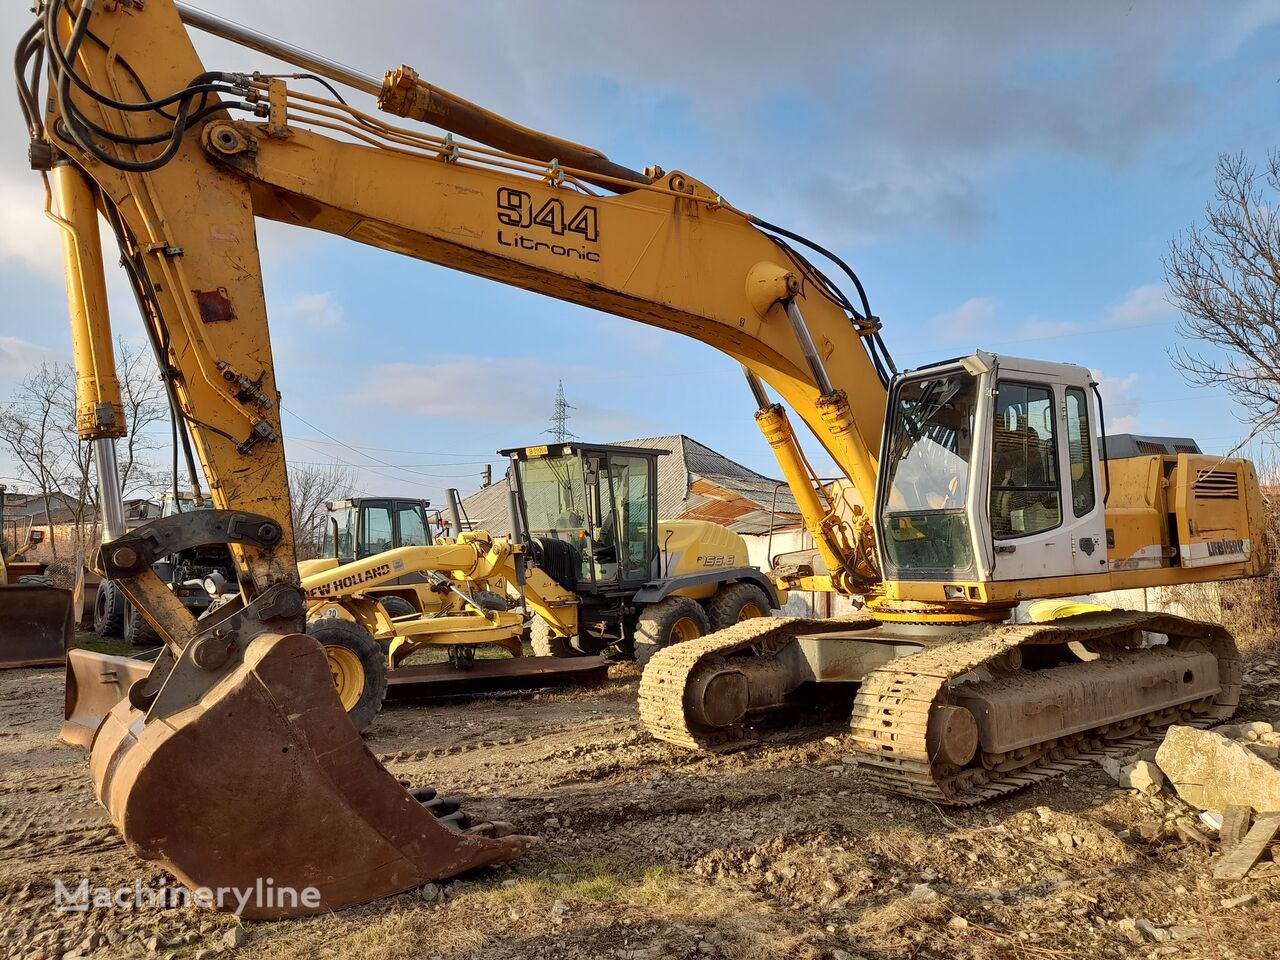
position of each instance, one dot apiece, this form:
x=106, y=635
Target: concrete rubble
x=1212, y=771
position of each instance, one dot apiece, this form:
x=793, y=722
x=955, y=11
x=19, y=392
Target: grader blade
x=36, y=625
x=262, y=785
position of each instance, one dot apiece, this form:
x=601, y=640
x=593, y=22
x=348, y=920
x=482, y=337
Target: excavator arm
x=180, y=161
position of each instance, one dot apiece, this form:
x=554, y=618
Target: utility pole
x=560, y=418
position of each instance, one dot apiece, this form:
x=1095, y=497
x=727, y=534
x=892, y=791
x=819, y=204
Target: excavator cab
x=591, y=511
x=991, y=474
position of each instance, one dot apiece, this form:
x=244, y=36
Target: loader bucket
x=36, y=625
x=96, y=682
x=263, y=785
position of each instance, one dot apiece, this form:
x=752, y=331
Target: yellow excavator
x=981, y=479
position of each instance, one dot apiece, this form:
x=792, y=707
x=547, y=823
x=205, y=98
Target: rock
x=1244, y=901
x=1265, y=750
x=841, y=955
x=830, y=886
x=430, y=892
x=1153, y=933
x=559, y=909
x=1212, y=820
x=756, y=861
x=1143, y=776
x=1190, y=834
x=151, y=944
x=922, y=891
x=562, y=877
x=1211, y=772
x=1129, y=930
x=234, y=938
x=1186, y=933
x=1254, y=731
x=958, y=923
x=1112, y=766
x=831, y=741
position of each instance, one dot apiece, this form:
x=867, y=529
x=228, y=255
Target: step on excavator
x=980, y=478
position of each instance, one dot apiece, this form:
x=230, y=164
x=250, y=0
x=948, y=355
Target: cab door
x=1045, y=518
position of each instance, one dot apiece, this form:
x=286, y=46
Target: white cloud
x=19, y=357
x=1036, y=329
x=319, y=310
x=1142, y=305
x=28, y=238
x=1121, y=405
x=517, y=391
x=971, y=321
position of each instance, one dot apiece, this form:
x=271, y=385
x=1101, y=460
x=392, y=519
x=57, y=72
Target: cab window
x=1025, y=495
x=1080, y=452
x=376, y=533
x=413, y=529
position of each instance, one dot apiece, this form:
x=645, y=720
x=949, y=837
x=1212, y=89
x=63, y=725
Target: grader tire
x=490, y=600
x=735, y=602
x=397, y=607
x=546, y=642
x=669, y=621
x=108, y=610
x=136, y=629
x=358, y=665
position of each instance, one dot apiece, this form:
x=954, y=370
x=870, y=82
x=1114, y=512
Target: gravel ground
x=647, y=852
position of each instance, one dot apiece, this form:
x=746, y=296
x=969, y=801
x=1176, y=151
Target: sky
x=1001, y=175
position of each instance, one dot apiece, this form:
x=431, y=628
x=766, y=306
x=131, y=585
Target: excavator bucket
x=96, y=682
x=263, y=786
x=37, y=625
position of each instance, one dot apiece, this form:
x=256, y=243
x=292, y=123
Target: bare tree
x=38, y=427
x=1224, y=277
x=310, y=488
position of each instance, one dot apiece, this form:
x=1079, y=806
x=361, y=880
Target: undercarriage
x=952, y=714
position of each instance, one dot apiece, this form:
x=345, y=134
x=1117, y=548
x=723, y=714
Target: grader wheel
x=358, y=666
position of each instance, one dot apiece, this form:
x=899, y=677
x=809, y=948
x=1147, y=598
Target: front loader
x=589, y=515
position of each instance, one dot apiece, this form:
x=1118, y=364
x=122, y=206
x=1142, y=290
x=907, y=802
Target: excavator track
x=893, y=707
x=896, y=702
x=671, y=672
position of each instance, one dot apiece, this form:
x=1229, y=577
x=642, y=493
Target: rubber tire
x=38, y=580
x=653, y=632
x=546, y=642
x=725, y=608
x=490, y=600
x=398, y=607
x=108, y=611
x=136, y=629
x=334, y=631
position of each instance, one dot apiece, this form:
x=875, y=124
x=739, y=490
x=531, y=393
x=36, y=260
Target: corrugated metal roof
x=693, y=482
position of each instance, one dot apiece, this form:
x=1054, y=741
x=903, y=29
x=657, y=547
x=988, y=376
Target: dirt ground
x=647, y=852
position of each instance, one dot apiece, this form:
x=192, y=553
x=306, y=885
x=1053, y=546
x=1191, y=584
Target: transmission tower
x=560, y=418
